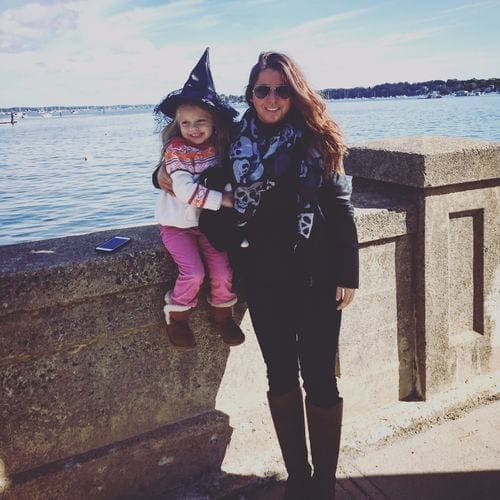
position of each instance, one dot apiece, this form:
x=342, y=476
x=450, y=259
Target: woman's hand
x=345, y=296
x=164, y=180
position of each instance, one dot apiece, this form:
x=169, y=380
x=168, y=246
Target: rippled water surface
x=476, y=117
x=80, y=173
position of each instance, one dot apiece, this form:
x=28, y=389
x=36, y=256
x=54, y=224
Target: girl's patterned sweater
x=185, y=163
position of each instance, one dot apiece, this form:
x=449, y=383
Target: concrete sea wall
x=94, y=402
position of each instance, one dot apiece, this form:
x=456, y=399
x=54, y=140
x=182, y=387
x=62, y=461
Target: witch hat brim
x=199, y=87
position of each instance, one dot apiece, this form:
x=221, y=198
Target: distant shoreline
x=56, y=108
x=431, y=88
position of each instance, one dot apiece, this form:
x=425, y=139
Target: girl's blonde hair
x=321, y=131
x=220, y=137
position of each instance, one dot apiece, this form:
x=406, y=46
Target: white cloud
x=469, y=6
x=257, y=3
x=455, y=13
x=323, y=22
x=411, y=36
x=141, y=18
x=34, y=23
x=100, y=57
x=95, y=52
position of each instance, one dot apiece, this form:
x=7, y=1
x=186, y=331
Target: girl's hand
x=165, y=181
x=345, y=296
x=227, y=199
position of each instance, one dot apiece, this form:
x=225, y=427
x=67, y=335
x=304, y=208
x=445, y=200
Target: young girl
x=193, y=143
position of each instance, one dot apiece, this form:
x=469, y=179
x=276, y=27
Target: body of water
x=74, y=174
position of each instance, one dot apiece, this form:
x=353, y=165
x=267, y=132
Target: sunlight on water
x=79, y=173
x=75, y=174
x=475, y=117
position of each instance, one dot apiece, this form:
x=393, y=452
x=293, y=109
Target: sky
x=105, y=52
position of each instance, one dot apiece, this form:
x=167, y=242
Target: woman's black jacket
x=333, y=254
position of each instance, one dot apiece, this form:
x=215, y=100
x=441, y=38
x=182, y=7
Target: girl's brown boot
x=231, y=333
x=178, y=331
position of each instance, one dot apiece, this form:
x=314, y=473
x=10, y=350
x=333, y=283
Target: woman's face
x=271, y=108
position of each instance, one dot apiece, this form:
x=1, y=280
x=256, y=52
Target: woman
x=300, y=266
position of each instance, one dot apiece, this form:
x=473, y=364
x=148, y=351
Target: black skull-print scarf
x=251, y=156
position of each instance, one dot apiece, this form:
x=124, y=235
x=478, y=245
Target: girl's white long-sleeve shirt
x=185, y=163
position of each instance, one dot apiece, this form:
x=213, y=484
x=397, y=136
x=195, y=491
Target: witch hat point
x=199, y=87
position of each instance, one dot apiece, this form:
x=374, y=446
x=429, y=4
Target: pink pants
x=188, y=246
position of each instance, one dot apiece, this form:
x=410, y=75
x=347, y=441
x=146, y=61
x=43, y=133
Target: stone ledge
x=425, y=161
x=63, y=270
x=68, y=270
x=383, y=210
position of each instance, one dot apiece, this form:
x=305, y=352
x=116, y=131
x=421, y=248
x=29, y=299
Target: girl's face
x=196, y=124
x=271, y=108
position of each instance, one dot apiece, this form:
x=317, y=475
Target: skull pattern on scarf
x=252, y=156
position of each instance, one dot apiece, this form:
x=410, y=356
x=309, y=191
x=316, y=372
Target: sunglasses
x=262, y=91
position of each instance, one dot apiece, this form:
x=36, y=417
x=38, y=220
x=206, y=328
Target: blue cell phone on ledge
x=113, y=244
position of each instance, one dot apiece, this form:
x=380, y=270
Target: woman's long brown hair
x=322, y=132
x=220, y=138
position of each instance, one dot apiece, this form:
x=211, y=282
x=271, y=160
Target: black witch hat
x=198, y=88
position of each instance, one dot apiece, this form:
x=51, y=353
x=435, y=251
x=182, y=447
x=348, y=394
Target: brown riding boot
x=230, y=332
x=287, y=412
x=178, y=331
x=324, y=435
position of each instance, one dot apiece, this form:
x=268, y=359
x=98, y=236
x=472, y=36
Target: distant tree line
x=443, y=87
x=100, y=107
x=235, y=99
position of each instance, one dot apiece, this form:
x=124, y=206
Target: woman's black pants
x=297, y=327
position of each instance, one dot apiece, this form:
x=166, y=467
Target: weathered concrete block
x=50, y=329
x=77, y=400
x=65, y=270
x=457, y=251
x=154, y=461
x=465, y=232
x=442, y=273
x=378, y=331
x=84, y=358
x=425, y=161
x=383, y=210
